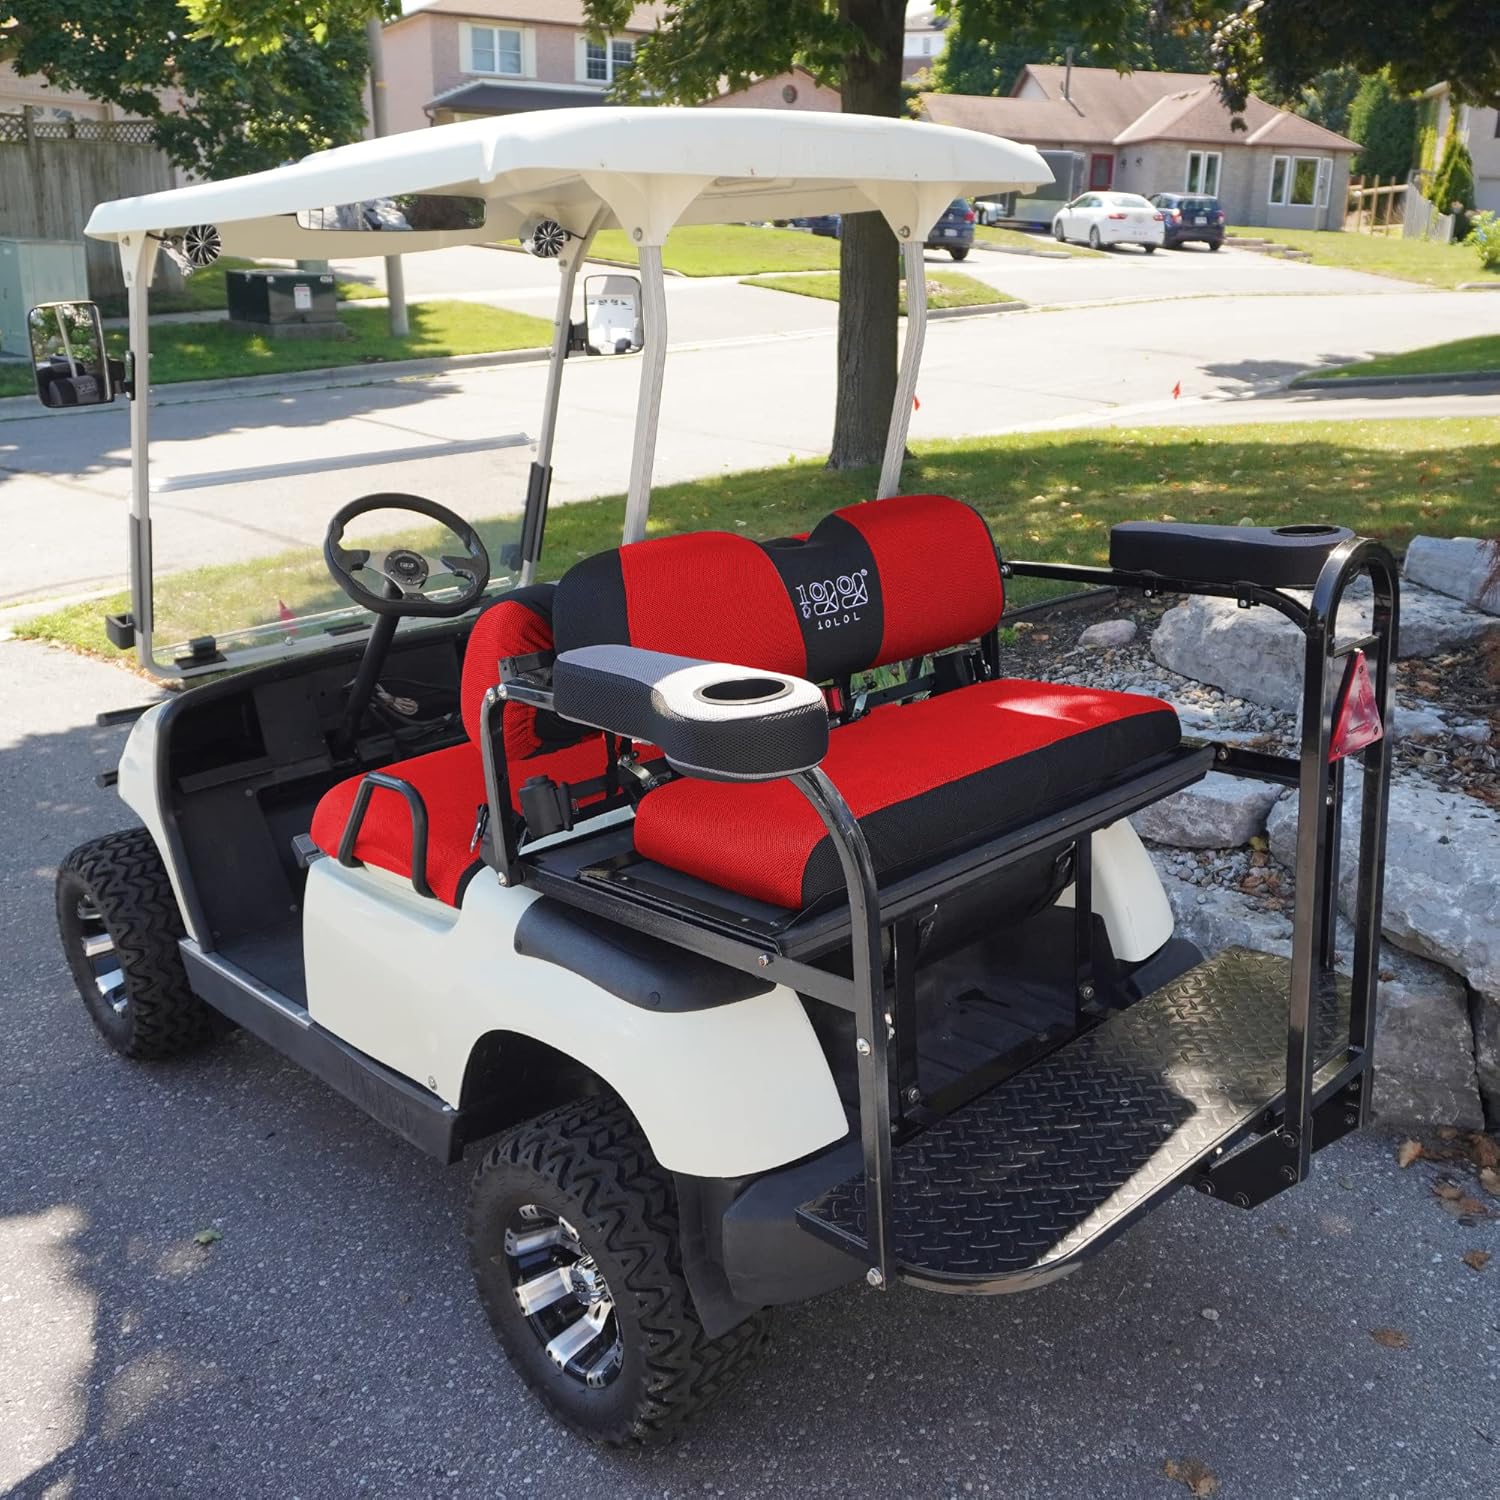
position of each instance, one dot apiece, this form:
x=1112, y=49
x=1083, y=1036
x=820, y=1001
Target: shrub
x=1452, y=188
x=1484, y=236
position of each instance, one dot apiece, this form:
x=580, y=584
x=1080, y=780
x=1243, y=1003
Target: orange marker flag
x=1177, y=390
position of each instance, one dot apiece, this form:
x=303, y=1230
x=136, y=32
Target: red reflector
x=1356, y=715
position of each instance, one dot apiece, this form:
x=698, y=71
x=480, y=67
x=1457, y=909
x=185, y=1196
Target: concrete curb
x=1334, y=383
x=1022, y=250
x=1478, y=286
x=982, y=310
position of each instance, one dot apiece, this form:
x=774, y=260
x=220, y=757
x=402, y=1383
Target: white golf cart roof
x=647, y=168
x=643, y=170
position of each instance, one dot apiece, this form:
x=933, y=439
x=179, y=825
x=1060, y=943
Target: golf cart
x=772, y=934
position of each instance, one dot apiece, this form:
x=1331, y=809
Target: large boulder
x=1460, y=567
x=1257, y=653
x=1442, y=873
x=1219, y=812
x=1424, y=1048
x=1487, y=1052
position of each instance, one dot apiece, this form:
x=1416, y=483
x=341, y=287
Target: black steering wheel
x=404, y=569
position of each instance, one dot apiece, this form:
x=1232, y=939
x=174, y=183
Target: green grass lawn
x=1048, y=496
x=944, y=288
x=1457, y=358
x=729, y=250
x=1018, y=239
x=210, y=351
x=1384, y=255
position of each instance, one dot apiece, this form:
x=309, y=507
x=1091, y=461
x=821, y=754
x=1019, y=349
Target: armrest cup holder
x=1276, y=557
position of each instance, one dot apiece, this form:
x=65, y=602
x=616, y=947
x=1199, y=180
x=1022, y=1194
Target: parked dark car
x=954, y=232
x=830, y=226
x=1191, y=216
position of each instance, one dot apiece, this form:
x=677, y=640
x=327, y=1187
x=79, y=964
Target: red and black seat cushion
x=924, y=779
x=451, y=782
x=870, y=584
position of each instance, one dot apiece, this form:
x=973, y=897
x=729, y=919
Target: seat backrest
x=537, y=743
x=870, y=584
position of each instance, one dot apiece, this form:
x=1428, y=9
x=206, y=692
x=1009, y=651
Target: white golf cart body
x=415, y=1006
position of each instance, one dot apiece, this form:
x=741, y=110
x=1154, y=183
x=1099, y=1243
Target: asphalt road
x=328, y=1345
x=256, y=474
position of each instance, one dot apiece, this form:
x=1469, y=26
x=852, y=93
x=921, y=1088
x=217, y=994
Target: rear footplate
x=1016, y=1186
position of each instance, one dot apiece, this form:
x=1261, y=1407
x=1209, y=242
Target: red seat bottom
x=451, y=785
x=923, y=779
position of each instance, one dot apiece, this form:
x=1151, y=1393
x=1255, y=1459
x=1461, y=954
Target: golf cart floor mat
x=1014, y=1187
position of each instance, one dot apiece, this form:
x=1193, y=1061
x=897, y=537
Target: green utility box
x=33, y=271
x=283, y=304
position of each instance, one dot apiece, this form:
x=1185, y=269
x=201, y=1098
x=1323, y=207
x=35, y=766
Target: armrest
x=710, y=720
x=1276, y=557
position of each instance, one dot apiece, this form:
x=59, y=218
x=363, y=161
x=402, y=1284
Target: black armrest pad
x=710, y=720
x=1274, y=556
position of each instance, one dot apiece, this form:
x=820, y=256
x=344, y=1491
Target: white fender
x=721, y=1092
x=1128, y=894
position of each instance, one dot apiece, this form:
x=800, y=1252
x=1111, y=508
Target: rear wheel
x=1149, y=249
x=959, y=252
x=573, y=1239
x=1214, y=244
x=120, y=927
x=1094, y=241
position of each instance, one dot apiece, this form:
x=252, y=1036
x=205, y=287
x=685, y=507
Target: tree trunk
x=869, y=264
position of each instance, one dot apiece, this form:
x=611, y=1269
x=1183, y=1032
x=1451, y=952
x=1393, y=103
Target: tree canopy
x=1385, y=124
x=243, y=112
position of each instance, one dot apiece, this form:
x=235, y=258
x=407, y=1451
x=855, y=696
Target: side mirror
x=612, y=315
x=67, y=353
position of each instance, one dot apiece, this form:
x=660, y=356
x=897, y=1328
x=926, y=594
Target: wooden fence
x=53, y=173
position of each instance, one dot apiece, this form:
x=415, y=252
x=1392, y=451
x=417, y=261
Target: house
x=1169, y=133
x=464, y=59
x=1478, y=127
x=923, y=38
x=794, y=89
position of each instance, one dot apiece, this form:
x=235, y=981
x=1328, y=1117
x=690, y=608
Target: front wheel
x=573, y=1239
x=1057, y=232
x=120, y=926
x=959, y=252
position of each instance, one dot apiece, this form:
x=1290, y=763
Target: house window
x=1203, y=173
x=603, y=62
x=1300, y=181
x=1101, y=171
x=497, y=49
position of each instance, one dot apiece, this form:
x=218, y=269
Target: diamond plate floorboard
x=1058, y=1158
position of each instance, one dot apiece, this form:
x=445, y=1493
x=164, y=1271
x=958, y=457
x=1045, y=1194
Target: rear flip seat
x=872, y=584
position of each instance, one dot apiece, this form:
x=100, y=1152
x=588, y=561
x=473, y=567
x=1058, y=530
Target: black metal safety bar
x=1320, y=786
x=415, y=807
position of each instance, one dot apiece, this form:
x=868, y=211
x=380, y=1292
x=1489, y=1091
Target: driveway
x=328, y=1344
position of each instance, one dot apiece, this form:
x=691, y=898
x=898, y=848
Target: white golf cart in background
x=767, y=974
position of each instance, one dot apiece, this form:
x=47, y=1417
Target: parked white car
x=1105, y=219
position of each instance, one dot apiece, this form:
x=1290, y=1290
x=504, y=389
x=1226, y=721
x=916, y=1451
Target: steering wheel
x=404, y=569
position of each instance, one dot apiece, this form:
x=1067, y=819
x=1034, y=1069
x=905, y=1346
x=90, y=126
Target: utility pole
x=395, y=280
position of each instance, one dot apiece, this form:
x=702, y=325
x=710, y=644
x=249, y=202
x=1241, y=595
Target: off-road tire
x=122, y=878
x=589, y=1162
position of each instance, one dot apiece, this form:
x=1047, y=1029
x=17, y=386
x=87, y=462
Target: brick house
x=1169, y=133
x=794, y=89
x=464, y=59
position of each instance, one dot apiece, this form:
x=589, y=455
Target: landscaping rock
x=1424, y=1048
x=1257, y=653
x=1110, y=633
x=1219, y=812
x=1442, y=873
x=1456, y=566
x=1487, y=1053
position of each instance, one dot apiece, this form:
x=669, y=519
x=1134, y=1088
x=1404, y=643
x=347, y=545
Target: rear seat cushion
x=870, y=584
x=923, y=779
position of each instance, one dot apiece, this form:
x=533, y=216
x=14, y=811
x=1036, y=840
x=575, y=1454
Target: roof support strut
x=648, y=402
x=914, y=269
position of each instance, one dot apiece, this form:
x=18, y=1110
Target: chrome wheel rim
x=563, y=1296
x=100, y=958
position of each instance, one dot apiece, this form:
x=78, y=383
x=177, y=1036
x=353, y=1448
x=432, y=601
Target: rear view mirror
x=67, y=352
x=612, y=315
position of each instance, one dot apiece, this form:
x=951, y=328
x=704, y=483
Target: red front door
x=1101, y=171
